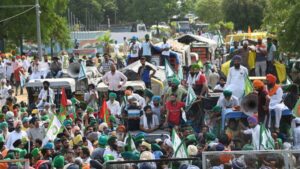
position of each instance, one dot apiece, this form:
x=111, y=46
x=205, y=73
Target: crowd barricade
x=173, y=163
x=15, y=163
x=285, y=159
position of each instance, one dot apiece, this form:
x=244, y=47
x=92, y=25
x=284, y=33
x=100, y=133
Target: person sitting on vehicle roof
x=148, y=121
x=174, y=110
x=46, y=95
x=228, y=100
x=55, y=68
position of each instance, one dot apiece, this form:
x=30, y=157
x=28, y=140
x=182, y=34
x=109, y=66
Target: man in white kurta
x=114, y=106
x=236, y=78
x=276, y=104
x=15, y=135
x=254, y=130
x=296, y=134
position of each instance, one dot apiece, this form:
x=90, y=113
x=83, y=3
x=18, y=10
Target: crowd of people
x=94, y=133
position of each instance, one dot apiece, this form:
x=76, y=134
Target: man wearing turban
x=236, y=78
x=276, y=104
x=228, y=101
x=176, y=89
x=254, y=130
x=263, y=101
x=113, y=105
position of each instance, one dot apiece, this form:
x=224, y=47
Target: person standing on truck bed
x=165, y=48
x=144, y=72
x=146, y=48
x=134, y=50
x=113, y=80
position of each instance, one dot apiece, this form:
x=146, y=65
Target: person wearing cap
x=36, y=132
x=156, y=107
x=144, y=72
x=146, y=48
x=55, y=68
x=165, y=48
x=15, y=135
x=276, y=104
x=112, y=147
x=176, y=89
x=296, y=134
x=114, y=79
x=271, y=49
x=97, y=154
x=25, y=122
x=113, y=105
x=254, y=130
x=134, y=48
x=228, y=101
x=236, y=78
x=46, y=95
x=261, y=58
x=263, y=101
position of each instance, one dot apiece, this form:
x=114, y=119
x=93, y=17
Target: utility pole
x=38, y=28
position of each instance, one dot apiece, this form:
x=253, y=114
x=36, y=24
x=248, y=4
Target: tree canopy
x=53, y=23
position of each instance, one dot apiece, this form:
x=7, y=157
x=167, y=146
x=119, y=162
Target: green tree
x=244, y=13
x=53, y=23
x=209, y=11
x=282, y=18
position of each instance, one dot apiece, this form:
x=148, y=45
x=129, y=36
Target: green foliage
x=106, y=40
x=244, y=13
x=209, y=11
x=288, y=34
x=53, y=24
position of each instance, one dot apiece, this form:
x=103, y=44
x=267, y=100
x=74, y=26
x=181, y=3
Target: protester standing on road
x=106, y=64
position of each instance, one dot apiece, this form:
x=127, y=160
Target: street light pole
x=38, y=28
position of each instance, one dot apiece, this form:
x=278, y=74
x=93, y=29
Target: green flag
x=53, y=130
x=180, y=73
x=266, y=141
x=168, y=69
x=130, y=143
x=190, y=98
x=248, y=86
x=296, y=109
x=178, y=146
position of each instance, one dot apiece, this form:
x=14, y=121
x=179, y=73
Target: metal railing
x=289, y=157
x=26, y=162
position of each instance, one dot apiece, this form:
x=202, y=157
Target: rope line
x=17, y=14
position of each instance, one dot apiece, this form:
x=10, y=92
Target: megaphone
x=74, y=69
x=249, y=104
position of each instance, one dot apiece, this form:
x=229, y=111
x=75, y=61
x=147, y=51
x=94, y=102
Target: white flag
x=53, y=130
x=178, y=146
x=82, y=72
x=168, y=69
